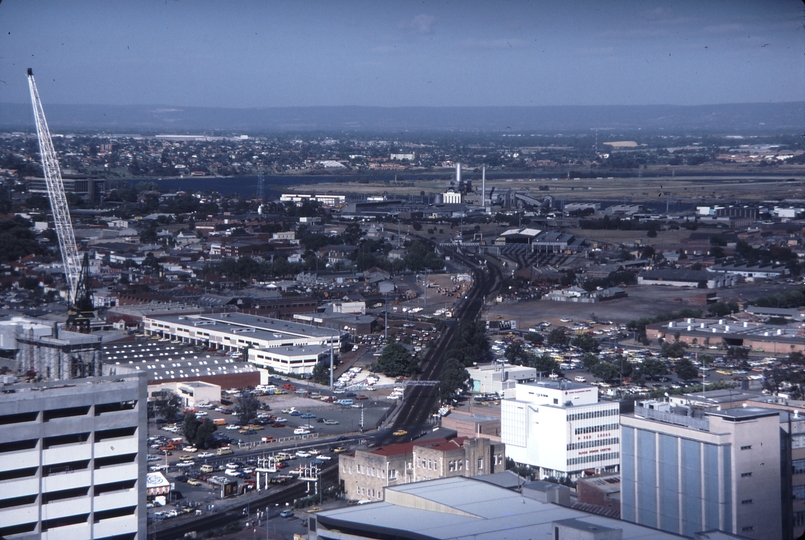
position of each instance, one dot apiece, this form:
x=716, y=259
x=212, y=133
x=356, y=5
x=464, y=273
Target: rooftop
x=465, y=508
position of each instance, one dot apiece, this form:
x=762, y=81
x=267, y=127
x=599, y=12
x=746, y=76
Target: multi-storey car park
x=72, y=459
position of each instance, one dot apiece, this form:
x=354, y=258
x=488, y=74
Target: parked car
x=286, y=513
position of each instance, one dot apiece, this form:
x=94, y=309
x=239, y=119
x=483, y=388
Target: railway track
x=421, y=401
x=295, y=490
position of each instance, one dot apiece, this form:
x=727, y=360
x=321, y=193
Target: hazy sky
x=250, y=53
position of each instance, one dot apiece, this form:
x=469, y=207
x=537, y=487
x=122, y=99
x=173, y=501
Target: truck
x=219, y=421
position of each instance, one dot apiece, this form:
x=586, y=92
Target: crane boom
x=58, y=200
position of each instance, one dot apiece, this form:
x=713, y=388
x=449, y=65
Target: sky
x=269, y=53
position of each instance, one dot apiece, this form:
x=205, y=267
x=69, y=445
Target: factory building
x=48, y=352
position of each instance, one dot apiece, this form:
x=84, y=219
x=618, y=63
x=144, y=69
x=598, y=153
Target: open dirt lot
x=643, y=301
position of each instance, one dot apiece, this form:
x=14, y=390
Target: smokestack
x=483, y=187
x=458, y=174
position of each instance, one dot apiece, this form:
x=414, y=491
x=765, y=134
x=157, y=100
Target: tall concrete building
x=561, y=428
x=72, y=459
x=684, y=470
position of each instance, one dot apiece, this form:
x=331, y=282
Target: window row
x=594, y=429
x=593, y=458
x=593, y=414
x=593, y=443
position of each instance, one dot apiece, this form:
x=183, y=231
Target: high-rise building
x=561, y=428
x=685, y=470
x=72, y=459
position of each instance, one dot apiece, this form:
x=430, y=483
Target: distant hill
x=744, y=118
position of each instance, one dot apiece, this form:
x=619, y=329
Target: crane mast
x=58, y=200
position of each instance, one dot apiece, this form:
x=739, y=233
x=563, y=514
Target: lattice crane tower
x=58, y=200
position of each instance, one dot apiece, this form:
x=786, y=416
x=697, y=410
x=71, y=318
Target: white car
x=301, y=431
x=303, y=454
x=185, y=464
x=206, y=455
x=190, y=449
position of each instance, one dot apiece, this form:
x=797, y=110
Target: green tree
x=605, y=371
x=653, y=367
x=190, y=427
x=168, y=406
x=515, y=353
x=586, y=343
x=454, y=376
x=685, y=370
x=558, y=337
x=247, y=408
x=544, y=363
x=673, y=350
x=589, y=360
x=204, y=433
x=396, y=361
x=321, y=372
x=535, y=337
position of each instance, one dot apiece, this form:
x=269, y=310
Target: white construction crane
x=58, y=201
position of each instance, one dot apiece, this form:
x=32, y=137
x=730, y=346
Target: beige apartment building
x=365, y=474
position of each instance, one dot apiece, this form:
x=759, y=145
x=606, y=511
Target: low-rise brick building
x=365, y=474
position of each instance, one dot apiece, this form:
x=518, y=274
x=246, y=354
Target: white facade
x=192, y=393
x=561, y=428
x=289, y=360
x=72, y=459
x=451, y=197
x=500, y=379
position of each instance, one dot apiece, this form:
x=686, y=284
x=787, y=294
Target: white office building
x=561, y=428
x=289, y=360
x=72, y=459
